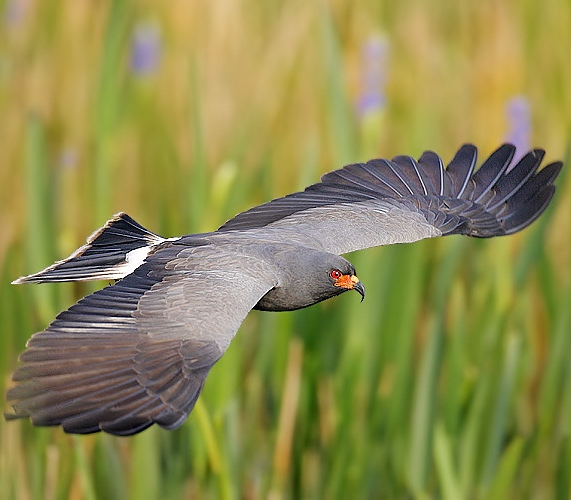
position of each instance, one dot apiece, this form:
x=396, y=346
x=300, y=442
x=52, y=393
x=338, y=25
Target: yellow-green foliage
x=452, y=380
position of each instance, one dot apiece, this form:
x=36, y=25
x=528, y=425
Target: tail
x=112, y=252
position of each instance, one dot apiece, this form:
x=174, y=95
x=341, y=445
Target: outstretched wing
x=137, y=352
x=402, y=200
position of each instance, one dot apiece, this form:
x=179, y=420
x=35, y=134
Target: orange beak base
x=351, y=282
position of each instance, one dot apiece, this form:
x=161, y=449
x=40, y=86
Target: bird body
x=138, y=351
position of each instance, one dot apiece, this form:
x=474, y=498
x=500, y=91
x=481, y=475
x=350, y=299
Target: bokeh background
x=452, y=380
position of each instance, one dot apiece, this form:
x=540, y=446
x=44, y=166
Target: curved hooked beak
x=351, y=282
x=359, y=287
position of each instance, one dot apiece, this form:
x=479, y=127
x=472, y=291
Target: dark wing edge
x=499, y=198
x=101, y=366
x=491, y=201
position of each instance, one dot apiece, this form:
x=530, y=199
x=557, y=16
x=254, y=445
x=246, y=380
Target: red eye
x=335, y=274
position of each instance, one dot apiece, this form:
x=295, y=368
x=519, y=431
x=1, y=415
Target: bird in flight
x=137, y=352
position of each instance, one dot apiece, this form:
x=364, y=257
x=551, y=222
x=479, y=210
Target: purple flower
x=374, y=56
x=518, y=114
x=15, y=12
x=145, y=49
x=68, y=158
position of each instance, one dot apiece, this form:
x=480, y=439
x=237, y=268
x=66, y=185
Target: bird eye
x=335, y=274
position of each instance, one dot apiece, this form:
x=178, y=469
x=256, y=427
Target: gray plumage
x=138, y=352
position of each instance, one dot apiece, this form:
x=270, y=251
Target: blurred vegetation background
x=452, y=380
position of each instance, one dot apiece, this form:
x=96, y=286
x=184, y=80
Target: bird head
x=328, y=275
x=309, y=276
